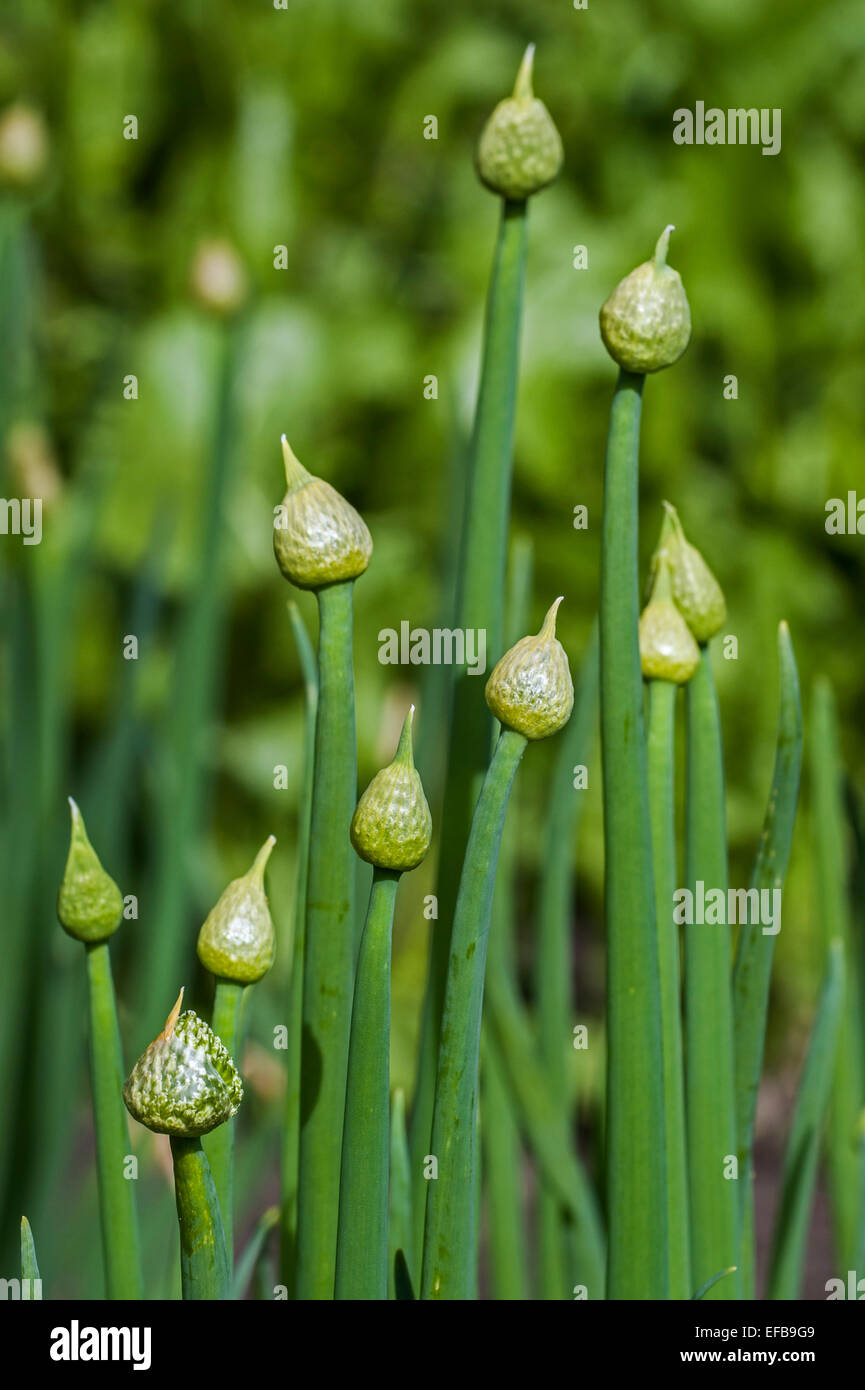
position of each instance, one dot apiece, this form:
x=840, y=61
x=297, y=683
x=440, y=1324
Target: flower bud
x=530, y=690
x=520, y=150
x=218, y=278
x=318, y=537
x=668, y=651
x=185, y=1083
x=392, y=826
x=23, y=146
x=89, y=904
x=696, y=592
x=646, y=322
x=237, y=941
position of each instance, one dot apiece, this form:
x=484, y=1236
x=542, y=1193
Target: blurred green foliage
x=303, y=128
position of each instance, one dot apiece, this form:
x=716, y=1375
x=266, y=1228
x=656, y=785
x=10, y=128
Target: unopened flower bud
x=392, y=827
x=520, y=150
x=318, y=537
x=23, y=146
x=89, y=904
x=646, y=322
x=530, y=689
x=668, y=651
x=218, y=278
x=696, y=592
x=237, y=941
x=185, y=1082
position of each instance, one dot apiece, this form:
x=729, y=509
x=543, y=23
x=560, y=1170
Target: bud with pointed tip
x=668, y=651
x=530, y=690
x=520, y=150
x=237, y=941
x=185, y=1082
x=696, y=592
x=89, y=904
x=392, y=826
x=646, y=322
x=318, y=537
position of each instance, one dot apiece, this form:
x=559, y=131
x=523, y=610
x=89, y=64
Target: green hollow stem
x=753, y=968
x=546, y=1130
x=219, y=1144
x=204, y=1268
x=118, y=1217
x=554, y=964
x=845, y=1158
x=799, y=1178
x=503, y=1164
x=661, y=757
x=328, y=966
x=449, y=1250
x=636, y=1171
x=362, y=1243
x=291, y=1115
x=501, y=1143
x=399, y=1205
x=709, y=1087
x=480, y=589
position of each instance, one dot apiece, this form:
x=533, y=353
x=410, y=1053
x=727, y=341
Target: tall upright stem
x=636, y=1171
x=480, y=590
x=118, y=1217
x=219, y=1144
x=204, y=1268
x=449, y=1250
x=362, y=1247
x=328, y=967
x=291, y=1124
x=709, y=1084
x=661, y=754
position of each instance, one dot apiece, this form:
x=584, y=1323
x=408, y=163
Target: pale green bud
x=89, y=904
x=696, y=592
x=392, y=826
x=237, y=941
x=668, y=651
x=185, y=1082
x=530, y=689
x=318, y=537
x=520, y=150
x=646, y=322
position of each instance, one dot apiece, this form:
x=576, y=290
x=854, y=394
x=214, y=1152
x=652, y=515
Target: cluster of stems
x=380, y=1199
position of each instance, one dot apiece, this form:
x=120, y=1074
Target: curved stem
x=661, y=757
x=790, y=1238
x=636, y=1205
x=546, y=1129
x=480, y=590
x=449, y=1239
x=204, y=1269
x=328, y=967
x=118, y=1217
x=709, y=1089
x=219, y=1143
x=361, y=1252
